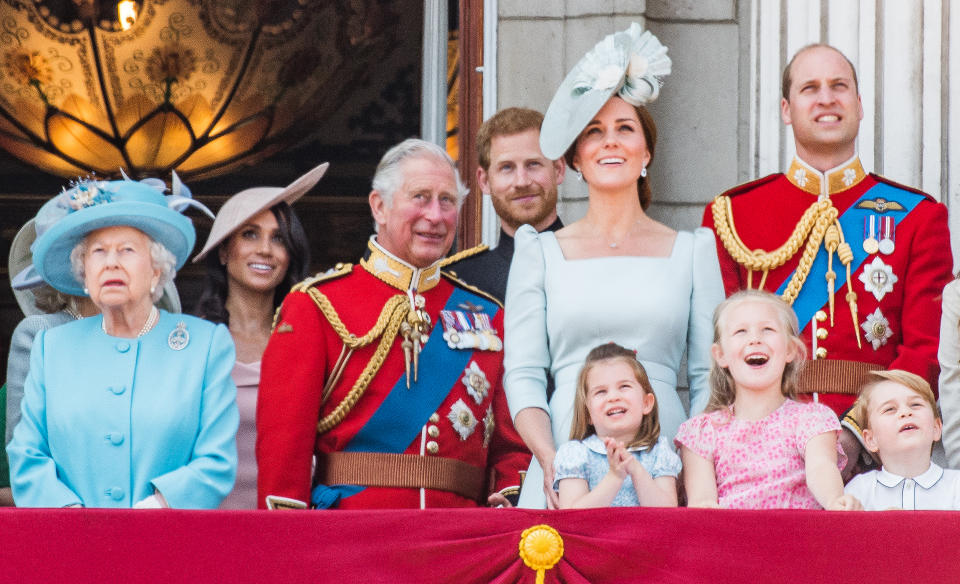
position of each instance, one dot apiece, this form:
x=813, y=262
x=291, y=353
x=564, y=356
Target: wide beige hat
x=242, y=206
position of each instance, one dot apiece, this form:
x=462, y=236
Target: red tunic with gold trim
x=903, y=246
x=470, y=423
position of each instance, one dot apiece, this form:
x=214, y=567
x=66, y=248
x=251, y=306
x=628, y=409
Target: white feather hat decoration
x=629, y=63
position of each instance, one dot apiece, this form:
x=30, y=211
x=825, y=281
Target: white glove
x=151, y=502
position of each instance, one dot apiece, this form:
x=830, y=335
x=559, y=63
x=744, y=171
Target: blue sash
x=813, y=297
x=400, y=418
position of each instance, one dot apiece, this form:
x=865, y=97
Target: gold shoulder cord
x=341, y=269
x=388, y=324
x=394, y=313
x=817, y=222
x=469, y=252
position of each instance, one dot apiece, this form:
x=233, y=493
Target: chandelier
x=197, y=86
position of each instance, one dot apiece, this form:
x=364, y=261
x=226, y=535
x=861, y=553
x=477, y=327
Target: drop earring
x=643, y=173
x=579, y=175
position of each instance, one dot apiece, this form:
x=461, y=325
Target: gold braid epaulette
x=811, y=228
x=388, y=324
x=461, y=255
x=338, y=270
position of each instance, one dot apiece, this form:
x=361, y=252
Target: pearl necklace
x=147, y=326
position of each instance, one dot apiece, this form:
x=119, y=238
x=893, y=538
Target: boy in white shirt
x=900, y=421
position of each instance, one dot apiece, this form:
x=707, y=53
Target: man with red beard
x=861, y=259
x=522, y=183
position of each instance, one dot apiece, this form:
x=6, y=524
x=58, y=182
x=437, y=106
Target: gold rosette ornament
x=541, y=547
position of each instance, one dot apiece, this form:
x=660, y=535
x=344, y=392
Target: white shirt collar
x=926, y=479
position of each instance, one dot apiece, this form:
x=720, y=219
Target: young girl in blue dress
x=615, y=457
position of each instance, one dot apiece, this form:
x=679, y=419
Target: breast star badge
x=462, y=418
x=878, y=278
x=877, y=328
x=476, y=382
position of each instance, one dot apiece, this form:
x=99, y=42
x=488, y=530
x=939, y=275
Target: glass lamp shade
x=196, y=86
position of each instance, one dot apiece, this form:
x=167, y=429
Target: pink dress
x=760, y=463
x=244, y=494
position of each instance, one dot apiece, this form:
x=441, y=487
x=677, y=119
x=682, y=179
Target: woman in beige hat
x=257, y=250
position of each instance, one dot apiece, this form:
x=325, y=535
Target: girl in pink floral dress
x=754, y=447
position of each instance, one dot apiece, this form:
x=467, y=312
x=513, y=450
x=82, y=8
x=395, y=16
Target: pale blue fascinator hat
x=93, y=204
x=629, y=64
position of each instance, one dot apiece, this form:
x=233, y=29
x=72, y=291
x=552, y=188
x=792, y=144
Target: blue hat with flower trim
x=92, y=204
x=629, y=63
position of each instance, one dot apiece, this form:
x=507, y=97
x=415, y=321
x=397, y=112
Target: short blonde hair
x=911, y=381
x=581, y=427
x=723, y=388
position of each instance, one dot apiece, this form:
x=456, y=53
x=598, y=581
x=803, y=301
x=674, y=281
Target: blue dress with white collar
x=587, y=459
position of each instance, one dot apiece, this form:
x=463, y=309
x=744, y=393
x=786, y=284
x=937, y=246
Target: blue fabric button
x=117, y=389
x=123, y=346
x=115, y=438
x=115, y=493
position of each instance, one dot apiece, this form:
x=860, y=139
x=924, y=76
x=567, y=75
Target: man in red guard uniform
x=381, y=384
x=863, y=260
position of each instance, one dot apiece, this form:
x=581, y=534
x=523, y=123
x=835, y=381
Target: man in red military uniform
x=862, y=260
x=380, y=386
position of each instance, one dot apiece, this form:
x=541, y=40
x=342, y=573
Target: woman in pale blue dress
x=614, y=275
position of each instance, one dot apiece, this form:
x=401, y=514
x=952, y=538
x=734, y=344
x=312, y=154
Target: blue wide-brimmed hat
x=92, y=204
x=629, y=63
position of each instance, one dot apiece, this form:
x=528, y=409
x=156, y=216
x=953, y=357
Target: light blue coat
x=106, y=421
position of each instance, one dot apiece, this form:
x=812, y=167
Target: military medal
x=483, y=325
x=179, y=337
x=877, y=328
x=887, y=229
x=451, y=333
x=464, y=330
x=488, y=426
x=878, y=278
x=870, y=243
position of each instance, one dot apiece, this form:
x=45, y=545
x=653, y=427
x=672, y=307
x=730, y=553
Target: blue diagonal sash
x=399, y=419
x=813, y=295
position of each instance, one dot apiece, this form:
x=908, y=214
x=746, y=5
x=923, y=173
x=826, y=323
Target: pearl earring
x=85, y=291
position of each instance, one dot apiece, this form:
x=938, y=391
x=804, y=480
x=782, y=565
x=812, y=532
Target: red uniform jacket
x=765, y=213
x=299, y=359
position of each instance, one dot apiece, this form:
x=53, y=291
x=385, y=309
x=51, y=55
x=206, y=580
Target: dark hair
x=213, y=297
x=788, y=76
x=650, y=134
x=505, y=122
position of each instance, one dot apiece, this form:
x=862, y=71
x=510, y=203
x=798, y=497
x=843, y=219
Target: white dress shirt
x=935, y=488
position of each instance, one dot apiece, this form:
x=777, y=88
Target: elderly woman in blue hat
x=615, y=275
x=135, y=407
